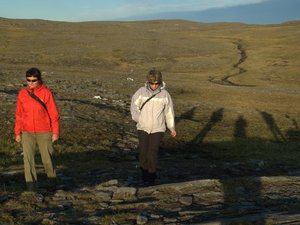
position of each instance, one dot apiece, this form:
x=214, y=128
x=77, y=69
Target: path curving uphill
x=225, y=80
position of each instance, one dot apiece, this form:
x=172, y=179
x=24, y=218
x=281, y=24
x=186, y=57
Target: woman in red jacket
x=37, y=124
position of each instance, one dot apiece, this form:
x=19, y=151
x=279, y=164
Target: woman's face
x=32, y=82
x=154, y=85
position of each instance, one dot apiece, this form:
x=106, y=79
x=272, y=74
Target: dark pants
x=148, y=150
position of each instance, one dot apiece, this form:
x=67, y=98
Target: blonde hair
x=154, y=75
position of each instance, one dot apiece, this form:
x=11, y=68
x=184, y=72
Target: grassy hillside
x=236, y=87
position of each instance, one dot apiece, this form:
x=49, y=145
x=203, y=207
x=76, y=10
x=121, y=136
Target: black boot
x=51, y=184
x=145, y=175
x=151, y=178
x=31, y=186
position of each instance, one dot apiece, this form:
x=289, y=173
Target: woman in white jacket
x=152, y=109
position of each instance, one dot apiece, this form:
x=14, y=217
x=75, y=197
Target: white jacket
x=157, y=114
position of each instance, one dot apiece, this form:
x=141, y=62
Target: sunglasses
x=35, y=80
x=154, y=83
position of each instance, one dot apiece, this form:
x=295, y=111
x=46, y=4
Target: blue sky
x=100, y=10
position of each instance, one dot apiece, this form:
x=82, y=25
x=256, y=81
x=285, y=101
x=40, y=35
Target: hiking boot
x=151, y=178
x=145, y=174
x=31, y=186
x=51, y=184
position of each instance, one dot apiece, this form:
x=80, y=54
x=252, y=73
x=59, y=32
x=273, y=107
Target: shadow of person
x=240, y=128
x=242, y=194
x=242, y=201
x=215, y=117
x=189, y=115
x=293, y=134
x=273, y=126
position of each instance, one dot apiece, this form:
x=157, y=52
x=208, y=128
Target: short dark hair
x=34, y=72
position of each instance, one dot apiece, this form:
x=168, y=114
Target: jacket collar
x=160, y=87
x=39, y=87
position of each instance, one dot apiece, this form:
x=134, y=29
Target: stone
x=140, y=220
x=125, y=193
x=186, y=200
x=103, y=196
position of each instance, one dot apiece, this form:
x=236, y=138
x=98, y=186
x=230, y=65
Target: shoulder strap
x=148, y=100
x=37, y=99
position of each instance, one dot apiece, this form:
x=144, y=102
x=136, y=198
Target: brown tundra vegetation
x=236, y=92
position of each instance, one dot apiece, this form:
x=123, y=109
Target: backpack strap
x=32, y=95
x=142, y=106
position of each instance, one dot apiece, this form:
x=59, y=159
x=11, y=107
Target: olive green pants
x=30, y=142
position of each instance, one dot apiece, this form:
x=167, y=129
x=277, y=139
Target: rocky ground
x=103, y=186
x=115, y=195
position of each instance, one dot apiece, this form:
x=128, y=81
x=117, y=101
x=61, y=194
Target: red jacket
x=32, y=117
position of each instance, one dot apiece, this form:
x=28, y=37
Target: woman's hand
x=173, y=133
x=55, y=137
x=18, y=138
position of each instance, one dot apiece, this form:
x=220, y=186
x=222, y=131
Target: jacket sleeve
x=169, y=113
x=135, y=104
x=53, y=114
x=18, y=119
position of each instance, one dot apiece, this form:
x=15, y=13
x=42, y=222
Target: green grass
x=243, y=149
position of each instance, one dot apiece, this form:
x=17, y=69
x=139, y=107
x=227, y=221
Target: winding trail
x=226, y=79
